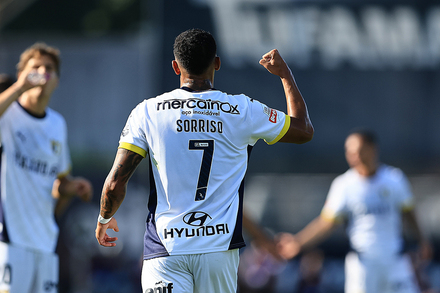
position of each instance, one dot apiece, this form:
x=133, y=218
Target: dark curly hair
x=195, y=49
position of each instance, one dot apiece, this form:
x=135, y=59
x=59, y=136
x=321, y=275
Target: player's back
x=198, y=146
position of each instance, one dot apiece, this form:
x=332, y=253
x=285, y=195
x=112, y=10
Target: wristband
x=103, y=220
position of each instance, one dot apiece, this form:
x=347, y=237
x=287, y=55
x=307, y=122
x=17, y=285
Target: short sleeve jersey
x=198, y=145
x=372, y=207
x=34, y=153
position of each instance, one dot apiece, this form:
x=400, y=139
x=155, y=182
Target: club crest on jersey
x=271, y=113
x=56, y=146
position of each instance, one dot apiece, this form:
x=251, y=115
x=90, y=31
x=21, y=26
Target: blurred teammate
x=35, y=165
x=198, y=140
x=373, y=198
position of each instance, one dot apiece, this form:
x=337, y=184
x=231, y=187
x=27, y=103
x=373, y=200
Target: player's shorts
x=27, y=271
x=393, y=274
x=214, y=272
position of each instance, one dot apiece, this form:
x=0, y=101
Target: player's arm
x=301, y=128
x=66, y=187
x=410, y=221
x=259, y=236
x=113, y=193
x=11, y=94
x=290, y=245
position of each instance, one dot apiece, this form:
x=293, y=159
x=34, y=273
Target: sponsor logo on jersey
x=160, y=287
x=273, y=116
x=196, y=218
x=192, y=103
x=35, y=165
x=271, y=113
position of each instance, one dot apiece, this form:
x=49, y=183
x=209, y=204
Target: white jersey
x=198, y=145
x=373, y=208
x=34, y=153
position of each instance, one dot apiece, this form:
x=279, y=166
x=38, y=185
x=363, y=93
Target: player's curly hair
x=36, y=50
x=195, y=49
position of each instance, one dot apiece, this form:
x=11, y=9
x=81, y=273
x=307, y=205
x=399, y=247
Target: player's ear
x=176, y=68
x=217, y=63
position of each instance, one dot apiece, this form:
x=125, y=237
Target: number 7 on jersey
x=207, y=146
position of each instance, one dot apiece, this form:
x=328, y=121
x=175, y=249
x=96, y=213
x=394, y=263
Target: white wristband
x=103, y=220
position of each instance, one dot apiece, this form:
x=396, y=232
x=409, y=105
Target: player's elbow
x=298, y=135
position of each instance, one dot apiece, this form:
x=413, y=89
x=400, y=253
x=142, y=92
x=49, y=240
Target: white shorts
x=27, y=271
x=214, y=272
x=385, y=275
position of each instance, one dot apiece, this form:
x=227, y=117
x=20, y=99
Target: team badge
x=56, y=146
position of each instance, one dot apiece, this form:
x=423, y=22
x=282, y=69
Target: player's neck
x=33, y=102
x=196, y=84
x=366, y=171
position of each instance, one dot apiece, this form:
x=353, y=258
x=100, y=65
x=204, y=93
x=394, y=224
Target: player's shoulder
x=348, y=175
x=391, y=173
x=55, y=115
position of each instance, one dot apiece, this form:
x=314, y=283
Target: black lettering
x=189, y=235
x=220, y=127
x=175, y=104
x=179, y=232
x=168, y=233
x=186, y=125
x=220, y=228
x=213, y=129
x=201, y=104
x=193, y=104
x=201, y=229
x=210, y=230
x=202, y=125
x=193, y=125
x=179, y=125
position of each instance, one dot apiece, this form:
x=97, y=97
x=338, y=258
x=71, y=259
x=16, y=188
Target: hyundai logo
x=196, y=218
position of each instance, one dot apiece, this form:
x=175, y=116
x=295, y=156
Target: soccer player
x=198, y=141
x=35, y=165
x=374, y=199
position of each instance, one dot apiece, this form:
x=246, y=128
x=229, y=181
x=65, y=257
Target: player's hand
x=83, y=188
x=101, y=233
x=288, y=246
x=275, y=64
x=425, y=250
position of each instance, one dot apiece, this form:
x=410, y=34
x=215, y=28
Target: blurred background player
x=198, y=140
x=35, y=167
x=372, y=197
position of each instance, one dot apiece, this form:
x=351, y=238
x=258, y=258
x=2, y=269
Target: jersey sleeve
x=268, y=124
x=133, y=135
x=65, y=163
x=335, y=205
x=405, y=198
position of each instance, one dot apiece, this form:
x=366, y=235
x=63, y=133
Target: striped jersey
x=198, y=144
x=34, y=153
x=373, y=207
